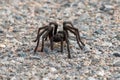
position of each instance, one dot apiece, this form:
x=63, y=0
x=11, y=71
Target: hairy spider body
x=58, y=36
x=61, y=36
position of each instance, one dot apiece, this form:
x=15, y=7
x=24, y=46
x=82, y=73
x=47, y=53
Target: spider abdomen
x=59, y=36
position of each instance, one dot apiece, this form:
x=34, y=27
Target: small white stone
x=109, y=7
x=81, y=5
x=101, y=73
x=2, y=46
x=20, y=59
x=91, y=78
x=107, y=44
x=46, y=78
x=12, y=61
x=52, y=69
x=13, y=78
x=98, y=52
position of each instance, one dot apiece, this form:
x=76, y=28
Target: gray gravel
x=98, y=22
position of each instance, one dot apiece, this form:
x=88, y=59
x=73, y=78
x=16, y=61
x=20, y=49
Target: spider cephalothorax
x=58, y=36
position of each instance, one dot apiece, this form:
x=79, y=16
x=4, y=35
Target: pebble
x=107, y=44
x=2, y=46
x=83, y=17
x=38, y=10
x=107, y=8
x=81, y=5
x=116, y=76
x=101, y=73
x=116, y=54
x=84, y=27
x=116, y=64
x=46, y=78
x=91, y=78
x=58, y=78
x=117, y=37
x=1, y=31
x=13, y=78
x=22, y=54
x=52, y=69
x=66, y=4
x=99, y=31
x=35, y=57
x=87, y=48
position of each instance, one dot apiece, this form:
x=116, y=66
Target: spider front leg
x=51, y=42
x=55, y=28
x=39, y=32
x=38, y=39
x=77, y=38
x=67, y=41
x=74, y=30
x=45, y=36
x=76, y=33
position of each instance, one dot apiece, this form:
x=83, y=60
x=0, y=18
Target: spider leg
x=56, y=26
x=52, y=33
x=44, y=36
x=77, y=32
x=68, y=22
x=36, y=46
x=51, y=38
x=61, y=45
x=67, y=41
x=39, y=32
x=74, y=32
x=51, y=43
x=80, y=39
x=37, y=39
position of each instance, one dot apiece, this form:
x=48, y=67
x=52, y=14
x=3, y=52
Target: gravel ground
x=97, y=20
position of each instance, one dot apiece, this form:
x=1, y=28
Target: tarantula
x=58, y=36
